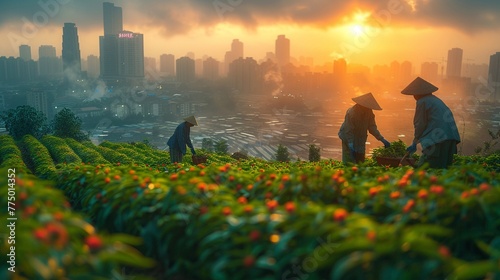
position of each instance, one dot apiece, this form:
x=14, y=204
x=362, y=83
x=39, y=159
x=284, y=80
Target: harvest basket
x=394, y=161
x=197, y=159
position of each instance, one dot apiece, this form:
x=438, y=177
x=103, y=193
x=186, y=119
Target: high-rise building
x=131, y=54
x=108, y=57
x=15, y=70
x=167, y=64
x=71, y=49
x=211, y=69
x=494, y=76
x=113, y=19
x=237, y=49
x=122, y=56
x=46, y=51
x=430, y=72
x=93, y=68
x=198, y=67
x=454, y=63
x=49, y=65
x=282, y=50
x=25, y=52
x=185, y=69
x=233, y=54
x=245, y=75
x=2, y=101
x=3, y=69
x=121, y=52
x=38, y=100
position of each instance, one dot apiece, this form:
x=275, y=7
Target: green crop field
x=122, y=211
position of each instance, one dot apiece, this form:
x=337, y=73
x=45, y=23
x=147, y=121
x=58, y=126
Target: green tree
x=67, y=125
x=221, y=147
x=25, y=120
x=314, y=153
x=282, y=154
x=207, y=144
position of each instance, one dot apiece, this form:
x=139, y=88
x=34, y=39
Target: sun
x=356, y=24
x=357, y=29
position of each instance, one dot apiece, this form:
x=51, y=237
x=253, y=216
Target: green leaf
x=475, y=270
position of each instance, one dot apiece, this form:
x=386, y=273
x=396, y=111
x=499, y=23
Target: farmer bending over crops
x=435, y=127
x=178, y=141
x=358, y=120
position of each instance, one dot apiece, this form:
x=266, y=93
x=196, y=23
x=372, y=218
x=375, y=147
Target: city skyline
x=370, y=32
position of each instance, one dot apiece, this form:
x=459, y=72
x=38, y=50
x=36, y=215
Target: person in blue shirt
x=435, y=127
x=358, y=120
x=180, y=139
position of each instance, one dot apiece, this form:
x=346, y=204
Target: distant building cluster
x=121, y=62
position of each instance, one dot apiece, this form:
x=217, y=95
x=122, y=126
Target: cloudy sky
x=363, y=31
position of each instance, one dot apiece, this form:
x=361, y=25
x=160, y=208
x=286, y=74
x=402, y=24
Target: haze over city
x=367, y=32
x=256, y=73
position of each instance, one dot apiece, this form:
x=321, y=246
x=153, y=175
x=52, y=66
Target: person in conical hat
x=180, y=139
x=435, y=127
x=358, y=120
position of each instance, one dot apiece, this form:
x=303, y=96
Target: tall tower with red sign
x=121, y=51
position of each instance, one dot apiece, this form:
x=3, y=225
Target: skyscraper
x=282, y=50
x=237, y=49
x=185, y=69
x=25, y=52
x=245, y=75
x=494, y=76
x=38, y=100
x=108, y=57
x=233, y=54
x=210, y=69
x=454, y=64
x=121, y=52
x=131, y=54
x=71, y=49
x=48, y=62
x=167, y=64
x=113, y=19
x=46, y=51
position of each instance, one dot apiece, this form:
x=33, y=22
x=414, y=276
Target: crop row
x=42, y=156
x=85, y=153
x=37, y=157
x=49, y=241
x=59, y=150
x=10, y=155
x=253, y=219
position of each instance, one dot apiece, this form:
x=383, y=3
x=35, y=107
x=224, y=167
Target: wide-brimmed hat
x=191, y=120
x=367, y=100
x=419, y=86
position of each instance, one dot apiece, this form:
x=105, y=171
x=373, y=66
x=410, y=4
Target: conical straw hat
x=368, y=101
x=191, y=120
x=419, y=86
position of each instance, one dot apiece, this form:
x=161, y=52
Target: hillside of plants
x=122, y=211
